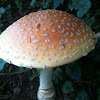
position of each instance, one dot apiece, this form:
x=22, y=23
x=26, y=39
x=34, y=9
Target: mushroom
x=44, y=40
x=98, y=35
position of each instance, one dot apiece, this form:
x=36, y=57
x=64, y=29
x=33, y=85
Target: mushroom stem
x=98, y=35
x=46, y=89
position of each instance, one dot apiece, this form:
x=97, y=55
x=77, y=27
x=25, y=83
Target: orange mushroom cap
x=47, y=38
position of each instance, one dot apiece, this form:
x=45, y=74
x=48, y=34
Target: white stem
x=45, y=79
x=46, y=89
x=98, y=35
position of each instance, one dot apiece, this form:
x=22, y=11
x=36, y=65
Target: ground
x=16, y=85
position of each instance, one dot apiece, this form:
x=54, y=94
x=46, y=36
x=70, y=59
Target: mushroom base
x=46, y=89
x=46, y=94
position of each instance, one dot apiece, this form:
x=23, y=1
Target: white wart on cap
x=47, y=38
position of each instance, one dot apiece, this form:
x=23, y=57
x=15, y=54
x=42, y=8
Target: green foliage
x=34, y=75
x=2, y=63
x=98, y=71
x=32, y=3
x=3, y=2
x=8, y=8
x=43, y=4
x=0, y=31
x=46, y=3
x=98, y=97
x=73, y=70
x=2, y=11
x=57, y=75
x=98, y=90
x=82, y=95
x=91, y=21
x=67, y=87
x=82, y=6
x=1, y=25
x=21, y=69
x=19, y=4
x=57, y=3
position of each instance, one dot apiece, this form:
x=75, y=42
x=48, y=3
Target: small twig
x=4, y=84
x=97, y=35
x=91, y=92
x=13, y=72
x=82, y=81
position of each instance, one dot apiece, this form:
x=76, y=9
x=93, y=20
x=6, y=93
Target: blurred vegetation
x=79, y=80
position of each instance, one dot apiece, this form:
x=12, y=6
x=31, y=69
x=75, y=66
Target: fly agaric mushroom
x=46, y=39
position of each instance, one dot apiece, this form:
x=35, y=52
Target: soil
x=16, y=85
